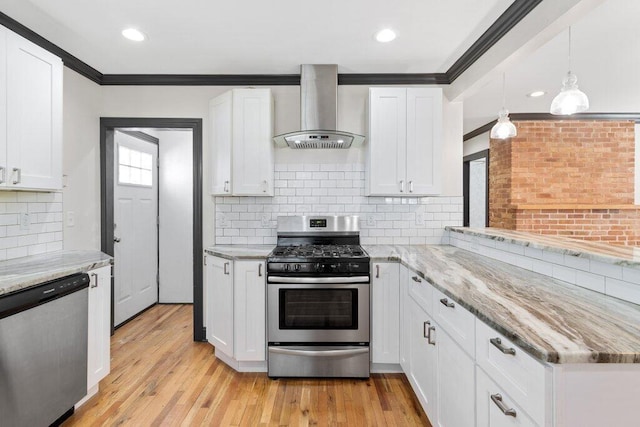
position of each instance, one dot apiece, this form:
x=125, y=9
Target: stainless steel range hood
x=319, y=112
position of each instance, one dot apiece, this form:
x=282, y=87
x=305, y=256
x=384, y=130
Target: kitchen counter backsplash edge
x=570, y=324
x=21, y=273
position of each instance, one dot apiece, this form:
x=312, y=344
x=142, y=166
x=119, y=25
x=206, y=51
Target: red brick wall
x=569, y=163
x=614, y=226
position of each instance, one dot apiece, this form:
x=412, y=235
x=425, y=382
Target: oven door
x=318, y=313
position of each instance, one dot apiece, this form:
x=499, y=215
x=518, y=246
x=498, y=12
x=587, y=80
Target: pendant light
x=503, y=129
x=570, y=99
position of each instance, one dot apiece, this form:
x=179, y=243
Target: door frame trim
x=466, y=172
x=107, y=125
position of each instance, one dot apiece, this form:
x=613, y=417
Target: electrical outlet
x=224, y=221
x=419, y=219
x=265, y=219
x=71, y=219
x=25, y=221
x=371, y=221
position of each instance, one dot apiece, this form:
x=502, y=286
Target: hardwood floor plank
x=160, y=377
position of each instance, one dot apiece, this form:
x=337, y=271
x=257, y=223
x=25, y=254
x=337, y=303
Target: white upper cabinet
x=30, y=116
x=404, y=152
x=242, y=148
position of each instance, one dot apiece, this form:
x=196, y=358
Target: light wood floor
x=159, y=376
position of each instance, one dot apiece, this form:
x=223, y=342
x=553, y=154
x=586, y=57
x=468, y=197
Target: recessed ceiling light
x=386, y=35
x=133, y=34
x=536, y=94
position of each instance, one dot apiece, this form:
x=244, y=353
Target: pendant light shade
x=570, y=100
x=504, y=128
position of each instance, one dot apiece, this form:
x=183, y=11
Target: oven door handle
x=319, y=353
x=318, y=280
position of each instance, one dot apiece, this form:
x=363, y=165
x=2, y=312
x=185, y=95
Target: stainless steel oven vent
x=319, y=112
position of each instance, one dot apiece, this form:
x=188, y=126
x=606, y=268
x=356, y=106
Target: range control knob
x=296, y=267
x=287, y=267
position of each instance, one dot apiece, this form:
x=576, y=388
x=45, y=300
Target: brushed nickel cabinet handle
x=18, y=172
x=116, y=239
x=430, y=340
x=402, y=186
x=410, y=186
x=447, y=303
x=226, y=187
x=95, y=280
x=266, y=185
x=497, y=399
x=497, y=342
x=2, y=174
x=417, y=279
x=425, y=332
x=226, y=268
x=260, y=270
x=377, y=271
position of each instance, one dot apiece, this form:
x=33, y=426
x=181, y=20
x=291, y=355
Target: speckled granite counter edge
x=523, y=241
x=542, y=355
x=239, y=253
x=44, y=271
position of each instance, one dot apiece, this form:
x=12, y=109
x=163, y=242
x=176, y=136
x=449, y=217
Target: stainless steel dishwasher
x=43, y=351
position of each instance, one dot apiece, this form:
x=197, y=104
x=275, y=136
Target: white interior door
x=135, y=226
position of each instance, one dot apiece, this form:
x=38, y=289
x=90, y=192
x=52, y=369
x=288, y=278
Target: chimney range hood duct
x=319, y=112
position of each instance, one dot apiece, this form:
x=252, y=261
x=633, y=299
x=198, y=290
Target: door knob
x=116, y=239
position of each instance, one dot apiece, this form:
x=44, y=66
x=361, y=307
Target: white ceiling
x=257, y=36
x=605, y=57
x=275, y=37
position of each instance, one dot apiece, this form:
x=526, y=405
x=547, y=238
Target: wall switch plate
x=25, y=221
x=371, y=221
x=419, y=219
x=71, y=219
x=265, y=220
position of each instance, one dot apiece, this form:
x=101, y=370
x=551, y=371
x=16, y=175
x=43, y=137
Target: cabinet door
x=253, y=147
x=495, y=408
x=386, y=156
x=405, y=318
x=456, y=384
x=423, y=370
x=249, y=311
x=424, y=140
x=385, y=309
x=34, y=116
x=98, y=351
x=220, y=136
x=219, y=282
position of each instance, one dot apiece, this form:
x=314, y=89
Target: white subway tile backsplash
x=333, y=189
x=623, y=290
x=595, y=282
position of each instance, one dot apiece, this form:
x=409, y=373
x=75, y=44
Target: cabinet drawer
x=495, y=407
x=421, y=291
x=455, y=320
x=518, y=374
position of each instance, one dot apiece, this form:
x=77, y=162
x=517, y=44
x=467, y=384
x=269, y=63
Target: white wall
x=86, y=102
x=476, y=144
x=81, y=160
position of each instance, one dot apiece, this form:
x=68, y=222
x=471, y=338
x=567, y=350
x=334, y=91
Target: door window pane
x=134, y=167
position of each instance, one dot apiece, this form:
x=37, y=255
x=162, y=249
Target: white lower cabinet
x=495, y=407
x=422, y=369
x=456, y=383
x=235, y=317
x=385, y=309
x=99, y=329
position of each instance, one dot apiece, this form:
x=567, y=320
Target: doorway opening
x=173, y=132
x=475, y=189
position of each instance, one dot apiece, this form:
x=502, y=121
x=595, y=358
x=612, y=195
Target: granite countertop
x=21, y=273
x=551, y=320
x=619, y=255
x=239, y=252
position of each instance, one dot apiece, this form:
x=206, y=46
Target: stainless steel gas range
x=318, y=299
